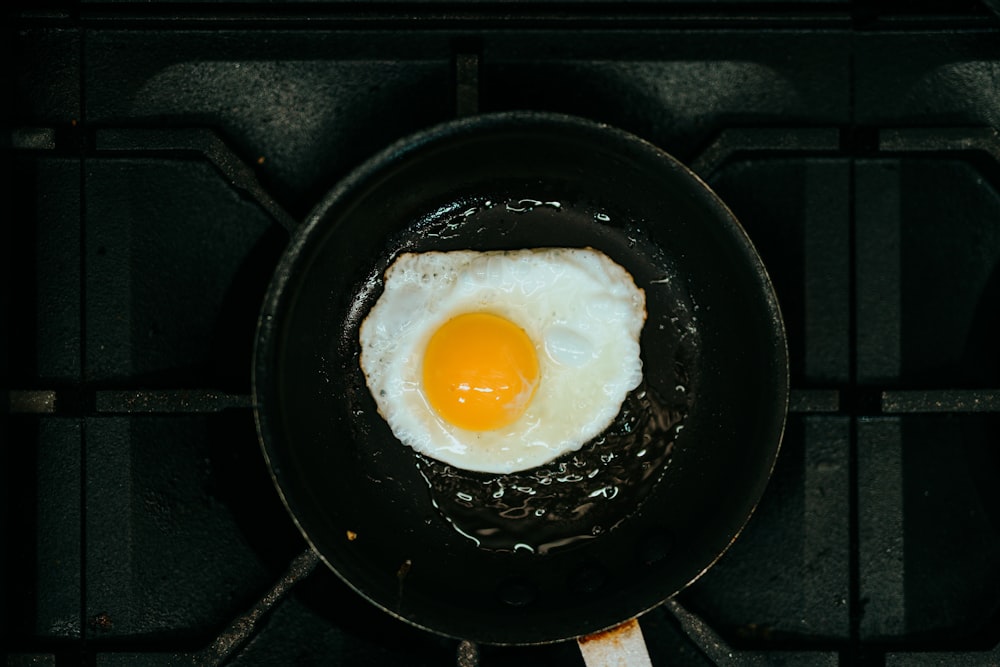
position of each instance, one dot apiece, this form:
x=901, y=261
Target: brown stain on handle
x=620, y=646
x=613, y=636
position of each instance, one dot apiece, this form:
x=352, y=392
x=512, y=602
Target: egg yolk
x=480, y=371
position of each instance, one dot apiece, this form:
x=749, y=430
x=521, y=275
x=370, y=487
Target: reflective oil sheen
x=576, y=497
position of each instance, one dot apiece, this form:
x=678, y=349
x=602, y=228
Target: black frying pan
x=492, y=182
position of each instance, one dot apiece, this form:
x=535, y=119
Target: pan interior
x=509, y=182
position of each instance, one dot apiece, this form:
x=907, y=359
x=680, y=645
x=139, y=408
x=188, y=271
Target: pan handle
x=621, y=646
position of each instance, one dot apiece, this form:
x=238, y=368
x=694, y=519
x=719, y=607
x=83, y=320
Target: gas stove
x=158, y=158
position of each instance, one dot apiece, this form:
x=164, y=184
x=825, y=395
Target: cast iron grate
x=862, y=158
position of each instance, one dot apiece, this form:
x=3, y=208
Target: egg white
x=582, y=311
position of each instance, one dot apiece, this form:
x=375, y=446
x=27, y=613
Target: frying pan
x=713, y=340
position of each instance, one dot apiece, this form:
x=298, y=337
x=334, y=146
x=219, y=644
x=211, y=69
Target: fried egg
x=501, y=361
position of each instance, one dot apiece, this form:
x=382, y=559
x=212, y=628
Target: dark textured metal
x=945, y=400
x=905, y=79
x=908, y=275
x=241, y=629
x=312, y=102
x=46, y=258
x=721, y=654
x=734, y=141
x=31, y=660
x=683, y=90
x=796, y=209
x=53, y=98
x=176, y=263
x=971, y=139
x=43, y=534
x=39, y=401
x=881, y=536
x=944, y=659
x=235, y=635
x=147, y=659
x=814, y=400
x=203, y=142
x=878, y=277
x=466, y=84
x=794, y=550
x=928, y=503
x=167, y=401
x=33, y=138
x=175, y=498
x=156, y=401
x=826, y=271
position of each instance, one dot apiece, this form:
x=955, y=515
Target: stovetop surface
x=158, y=157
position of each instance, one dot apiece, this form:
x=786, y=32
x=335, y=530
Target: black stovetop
x=158, y=156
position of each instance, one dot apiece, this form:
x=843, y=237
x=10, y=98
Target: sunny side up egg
x=501, y=361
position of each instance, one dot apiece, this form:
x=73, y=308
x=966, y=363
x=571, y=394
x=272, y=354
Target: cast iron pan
x=503, y=181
